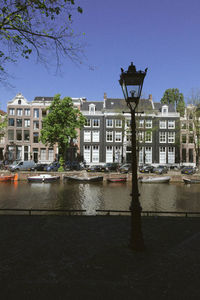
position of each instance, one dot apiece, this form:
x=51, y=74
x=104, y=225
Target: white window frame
x=171, y=137
x=141, y=124
x=141, y=155
x=163, y=124
x=96, y=125
x=162, y=137
x=87, y=153
x=27, y=123
x=162, y=155
x=148, y=124
x=148, y=137
x=171, y=155
x=108, y=135
x=95, y=153
x=171, y=124
x=43, y=154
x=87, y=136
x=118, y=123
x=141, y=136
x=11, y=111
x=118, y=136
x=35, y=115
x=148, y=155
x=118, y=154
x=19, y=112
x=92, y=109
x=88, y=121
x=27, y=112
x=109, y=121
x=95, y=136
x=109, y=154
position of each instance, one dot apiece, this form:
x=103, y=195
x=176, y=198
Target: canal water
x=95, y=196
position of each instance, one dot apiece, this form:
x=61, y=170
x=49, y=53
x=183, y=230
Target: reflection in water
x=93, y=196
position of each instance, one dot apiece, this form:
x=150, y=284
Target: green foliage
x=38, y=26
x=62, y=162
x=3, y=125
x=173, y=96
x=61, y=124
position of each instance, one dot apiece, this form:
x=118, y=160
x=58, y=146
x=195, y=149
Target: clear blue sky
x=161, y=35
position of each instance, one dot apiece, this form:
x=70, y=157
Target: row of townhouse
x=162, y=136
x=106, y=136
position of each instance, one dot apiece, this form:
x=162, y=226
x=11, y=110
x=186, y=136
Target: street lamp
x=131, y=82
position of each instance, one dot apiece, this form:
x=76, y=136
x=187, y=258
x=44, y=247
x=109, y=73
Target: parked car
x=26, y=165
x=125, y=168
x=54, y=166
x=73, y=165
x=40, y=167
x=188, y=170
x=160, y=170
x=94, y=168
x=146, y=169
x=111, y=167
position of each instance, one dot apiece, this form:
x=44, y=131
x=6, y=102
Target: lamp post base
x=136, y=239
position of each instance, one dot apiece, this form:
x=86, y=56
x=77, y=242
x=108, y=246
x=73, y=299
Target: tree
x=173, y=96
x=194, y=118
x=39, y=26
x=3, y=125
x=61, y=124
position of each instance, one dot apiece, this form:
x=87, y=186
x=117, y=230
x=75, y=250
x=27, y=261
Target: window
x=183, y=125
x=148, y=155
x=128, y=136
x=26, y=123
x=19, y=102
x=171, y=124
x=141, y=136
x=35, y=125
x=36, y=113
x=92, y=109
x=96, y=122
x=141, y=155
x=95, y=136
x=164, y=109
x=35, y=137
x=87, y=153
x=191, y=155
x=184, y=138
x=148, y=124
x=43, y=154
x=109, y=136
x=171, y=155
x=10, y=135
x=162, y=155
x=19, y=152
x=171, y=137
x=109, y=154
x=11, y=111
x=190, y=127
x=19, y=122
x=118, y=154
x=141, y=123
x=27, y=112
x=191, y=139
x=118, y=136
x=25, y=152
x=109, y=123
x=11, y=122
x=162, y=137
x=118, y=123
x=50, y=154
x=95, y=154
x=18, y=135
x=87, y=123
x=87, y=136
x=128, y=123
x=26, y=135
x=19, y=111
x=163, y=124
x=148, y=137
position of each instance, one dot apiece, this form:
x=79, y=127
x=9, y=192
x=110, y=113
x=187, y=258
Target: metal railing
x=107, y=212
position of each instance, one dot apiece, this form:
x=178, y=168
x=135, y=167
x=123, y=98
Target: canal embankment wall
x=176, y=177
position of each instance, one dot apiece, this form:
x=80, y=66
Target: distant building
x=24, y=125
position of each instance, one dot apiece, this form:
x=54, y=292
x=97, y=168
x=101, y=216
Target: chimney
x=104, y=100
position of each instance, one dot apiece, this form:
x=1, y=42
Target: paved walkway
x=58, y=257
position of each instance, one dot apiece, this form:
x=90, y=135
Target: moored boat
x=84, y=179
x=121, y=179
x=43, y=178
x=152, y=179
x=191, y=181
x=13, y=177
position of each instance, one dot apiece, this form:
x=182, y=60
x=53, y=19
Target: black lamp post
x=131, y=82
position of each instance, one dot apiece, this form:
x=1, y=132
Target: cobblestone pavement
x=59, y=257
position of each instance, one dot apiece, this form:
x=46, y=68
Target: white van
x=26, y=165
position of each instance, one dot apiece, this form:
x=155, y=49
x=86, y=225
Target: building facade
x=24, y=125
